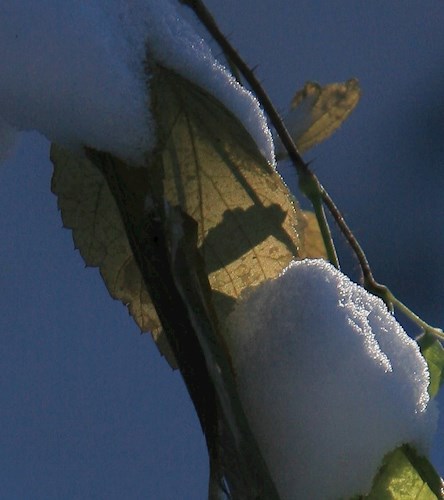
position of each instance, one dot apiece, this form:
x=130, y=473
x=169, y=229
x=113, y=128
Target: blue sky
x=88, y=409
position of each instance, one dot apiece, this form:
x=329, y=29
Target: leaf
x=313, y=244
x=88, y=208
x=433, y=352
x=316, y=112
x=405, y=475
x=248, y=224
x=238, y=458
x=248, y=227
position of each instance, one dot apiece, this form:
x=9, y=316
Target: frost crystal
x=329, y=380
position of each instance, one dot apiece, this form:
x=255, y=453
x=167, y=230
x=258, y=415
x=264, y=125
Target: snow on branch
x=329, y=379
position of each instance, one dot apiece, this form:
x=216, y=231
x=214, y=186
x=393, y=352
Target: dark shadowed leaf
x=241, y=460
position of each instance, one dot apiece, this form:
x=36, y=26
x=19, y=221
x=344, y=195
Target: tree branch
x=164, y=243
x=308, y=182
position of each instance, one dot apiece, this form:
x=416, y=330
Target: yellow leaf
x=316, y=112
x=88, y=208
x=248, y=226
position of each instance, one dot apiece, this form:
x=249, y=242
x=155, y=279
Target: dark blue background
x=88, y=409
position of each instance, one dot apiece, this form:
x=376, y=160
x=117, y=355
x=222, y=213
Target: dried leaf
x=316, y=112
x=88, y=208
x=248, y=227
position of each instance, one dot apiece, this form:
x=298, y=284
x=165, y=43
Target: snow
x=75, y=71
x=329, y=380
x=65, y=73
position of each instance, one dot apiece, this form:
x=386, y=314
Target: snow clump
x=76, y=72
x=329, y=380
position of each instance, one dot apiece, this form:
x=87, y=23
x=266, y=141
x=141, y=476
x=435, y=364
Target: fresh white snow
x=329, y=380
x=75, y=71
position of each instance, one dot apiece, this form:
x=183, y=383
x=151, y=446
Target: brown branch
x=308, y=181
x=233, y=56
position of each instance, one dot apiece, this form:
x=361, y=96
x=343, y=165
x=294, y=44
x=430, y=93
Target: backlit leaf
x=248, y=227
x=316, y=112
x=88, y=208
x=405, y=475
x=433, y=352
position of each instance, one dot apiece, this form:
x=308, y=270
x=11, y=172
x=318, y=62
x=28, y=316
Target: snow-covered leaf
x=405, y=475
x=433, y=352
x=248, y=226
x=316, y=112
x=294, y=342
x=88, y=208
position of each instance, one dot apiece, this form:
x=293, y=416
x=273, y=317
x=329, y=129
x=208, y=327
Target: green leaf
x=433, y=352
x=405, y=475
x=249, y=229
x=316, y=112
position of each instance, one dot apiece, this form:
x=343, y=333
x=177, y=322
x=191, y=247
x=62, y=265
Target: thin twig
x=308, y=182
x=233, y=56
x=369, y=281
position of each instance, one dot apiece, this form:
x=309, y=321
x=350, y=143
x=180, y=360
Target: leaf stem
x=326, y=234
x=436, y=332
x=311, y=187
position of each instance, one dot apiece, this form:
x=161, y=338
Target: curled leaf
x=316, y=112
